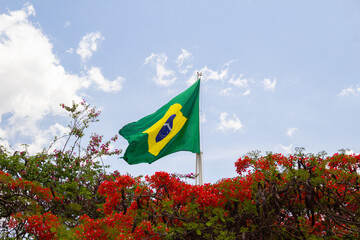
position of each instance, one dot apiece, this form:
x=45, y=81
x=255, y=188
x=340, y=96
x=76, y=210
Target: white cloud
x=184, y=57
x=291, y=131
x=70, y=51
x=95, y=75
x=226, y=91
x=227, y=123
x=349, y=152
x=239, y=82
x=268, y=84
x=164, y=77
x=227, y=64
x=33, y=82
x=44, y=135
x=352, y=90
x=287, y=149
x=247, y=92
x=209, y=74
x=3, y=141
x=88, y=45
x=30, y=72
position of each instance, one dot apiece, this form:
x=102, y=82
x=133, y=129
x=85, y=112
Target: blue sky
x=276, y=74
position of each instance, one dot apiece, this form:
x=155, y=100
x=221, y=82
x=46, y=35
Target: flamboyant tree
x=274, y=197
x=61, y=181
x=64, y=193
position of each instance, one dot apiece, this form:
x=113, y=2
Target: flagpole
x=199, y=171
x=199, y=168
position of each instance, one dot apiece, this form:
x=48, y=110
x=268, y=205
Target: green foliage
x=71, y=172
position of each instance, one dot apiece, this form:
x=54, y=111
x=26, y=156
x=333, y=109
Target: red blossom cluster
x=43, y=226
x=26, y=188
x=274, y=196
x=279, y=196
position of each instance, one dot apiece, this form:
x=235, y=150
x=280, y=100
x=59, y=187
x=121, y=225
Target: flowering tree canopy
x=65, y=194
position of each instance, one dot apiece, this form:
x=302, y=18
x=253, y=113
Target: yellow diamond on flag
x=165, y=129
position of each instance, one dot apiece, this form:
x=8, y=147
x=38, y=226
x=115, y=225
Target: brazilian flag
x=172, y=128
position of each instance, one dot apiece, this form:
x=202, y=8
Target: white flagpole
x=199, y=168
x=199, y=172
